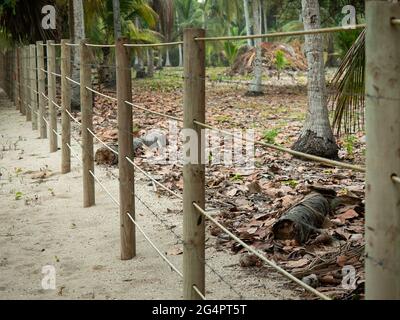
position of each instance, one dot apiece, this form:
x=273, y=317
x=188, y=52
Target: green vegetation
x=349, y=144
x=280, y=62
x=270, y=136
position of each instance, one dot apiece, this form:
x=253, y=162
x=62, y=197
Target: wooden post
x=51, y=85
x=194, y=173
x=41, y=89
x=16, y=79
x=125, y=148
x=87, y=123
x=33, y=84
x=383, y=151
x=18, y=74
x=28, y=84
x=23, y=81
x=66, y=106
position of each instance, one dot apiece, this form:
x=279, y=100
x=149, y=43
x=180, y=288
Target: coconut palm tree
x=316, y=136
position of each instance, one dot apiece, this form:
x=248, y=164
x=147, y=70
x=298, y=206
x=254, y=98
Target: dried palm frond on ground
x=293, y=55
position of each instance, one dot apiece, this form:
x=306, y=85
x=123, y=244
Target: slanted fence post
x=194, y=173
x=66, y=106
x=51, y=85
x=28, y=85
x=87, y=123
x=383, y=151
x=125, y=148
x=33, y=84
x=41, y=90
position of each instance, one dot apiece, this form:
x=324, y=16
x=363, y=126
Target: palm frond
x=347, y=97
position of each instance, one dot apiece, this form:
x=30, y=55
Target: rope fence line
x=148, y=239
x=181, y=242
x=101, y=94
x=117, y=203
x=153, y=112
x=72, y=80
x=100, y=45
x=299, y=154
x=261, y=256
x=101, y=141
x=396, y=179
x=283, y=34
x=153, y=45
x=72, y=117
x=178, y=196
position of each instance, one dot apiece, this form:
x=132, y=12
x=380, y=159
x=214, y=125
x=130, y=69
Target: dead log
x=302, y=220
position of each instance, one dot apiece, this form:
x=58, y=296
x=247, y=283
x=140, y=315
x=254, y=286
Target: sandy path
x=48, y=226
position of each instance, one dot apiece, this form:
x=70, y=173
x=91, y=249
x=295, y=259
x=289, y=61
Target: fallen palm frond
x=347, y=90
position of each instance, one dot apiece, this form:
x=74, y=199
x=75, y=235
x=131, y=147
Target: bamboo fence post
x=125, y=148
x=383, y=156
x=66, y=106
x=87, y=123
x=194, y=173
x=41, y=89
x=33, y=83
x=28, y=85
x=51, y=85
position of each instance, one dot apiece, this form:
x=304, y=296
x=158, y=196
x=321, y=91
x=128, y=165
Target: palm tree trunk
x=117, y=19
x=256, y=86
x=180, y=55
x=79, y=34
x=265, y=15
x=167, y=59
x=150, y=63
x=248, y=22
x=316, y=137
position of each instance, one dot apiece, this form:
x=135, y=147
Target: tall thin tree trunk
x=160, y=59
x=248, y=21
x=138, y=59
x=256, y=86
x=180, y=55
x=117, y=19
x=265, y=15
x=150, y=63
x=71, y=19
x=79, y=34
x=167, y=58
x=317, y=136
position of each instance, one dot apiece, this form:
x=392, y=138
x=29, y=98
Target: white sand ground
x=48, y=226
